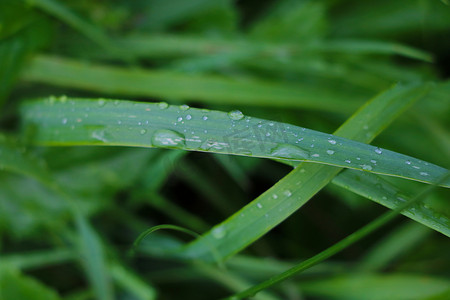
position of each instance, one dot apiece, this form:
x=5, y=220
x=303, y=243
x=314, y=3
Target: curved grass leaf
x=170, y=84
x=66, y=121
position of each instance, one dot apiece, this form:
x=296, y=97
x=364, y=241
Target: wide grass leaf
x=64, y=121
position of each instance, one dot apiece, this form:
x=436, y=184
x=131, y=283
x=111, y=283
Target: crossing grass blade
x=66, y=121
x=300, y=185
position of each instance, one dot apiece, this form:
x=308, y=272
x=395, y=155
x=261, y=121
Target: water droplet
x=168, y=139
x=408, y=162
x=101, y=102
x=235, y=115
x=332, y=142
x=373, y=161
x=64, y=121
x=330, y=152
x=268, y=134
x=275, y=196
x=348, y=161
x=378, y=150
x=99, y=135
x=424, y=173
x=163, y=105
x=315, y=155
x=184, y=107
x=289, y=151
x=270, y=124
x=218, y=232
x=204, y=118
x=366, y=167
x=179, y=119
x=287, y=193
x=188, y=117
x=259, y=205
x=143, y=131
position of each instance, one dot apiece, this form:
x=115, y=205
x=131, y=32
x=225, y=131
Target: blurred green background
x=308, y=63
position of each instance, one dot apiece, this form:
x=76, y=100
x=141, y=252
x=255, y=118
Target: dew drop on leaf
x=101, y=102
x=289, y=151
x=218, y=232
x=184, y=107
x=235, y=115
x=168, y=139
x=367, y=167
x=287, y=193
x=378, y=151
x=163, y=105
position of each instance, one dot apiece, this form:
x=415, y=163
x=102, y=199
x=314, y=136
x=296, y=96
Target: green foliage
x=76, y=76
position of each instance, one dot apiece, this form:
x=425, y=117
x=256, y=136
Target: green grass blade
x=94, y=33
x=170, y=84
x=65, y=121
x=130, y=281
x=401, y=240
x=356, y=47
x=381, y=191
x=14, y=285
x=93, y=259
x=378, y=286
x=15, y=158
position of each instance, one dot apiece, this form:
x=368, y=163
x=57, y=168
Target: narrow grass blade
x=378, y=286
x=371, y=47
x=400, y=241
x=37, y=259
x=94, y=33
x=131, y=282
x=170, y=84
x=381, y=191
x=93, y=259
x=63, y=121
